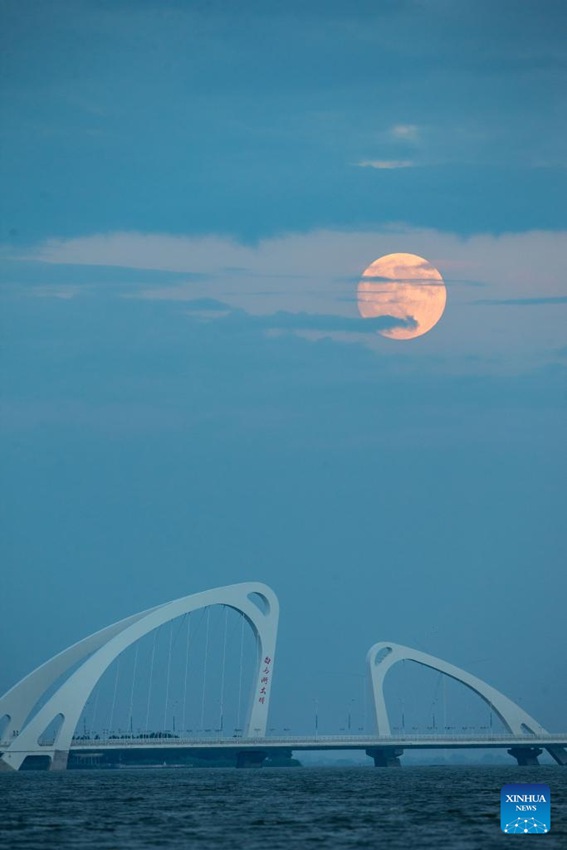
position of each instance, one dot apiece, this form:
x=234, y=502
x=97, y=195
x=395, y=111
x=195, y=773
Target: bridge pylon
x=383, y=656
x=92, y=656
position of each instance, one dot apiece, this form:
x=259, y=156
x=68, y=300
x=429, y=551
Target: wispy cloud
x=523, y=302
x=408, y=132
x=318, y=274
x=285, y=320
x=386, y=164
x=212, y=305
x=297, y=322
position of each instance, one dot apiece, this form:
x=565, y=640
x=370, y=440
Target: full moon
x=406, y=287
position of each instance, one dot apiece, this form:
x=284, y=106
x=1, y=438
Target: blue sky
x=190, y=194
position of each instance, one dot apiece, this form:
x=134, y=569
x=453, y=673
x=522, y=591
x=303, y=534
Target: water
x=411, y=807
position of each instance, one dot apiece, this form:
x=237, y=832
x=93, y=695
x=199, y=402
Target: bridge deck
x=323, y=742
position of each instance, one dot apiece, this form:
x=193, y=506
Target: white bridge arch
x=381, y=658
x=94, y=654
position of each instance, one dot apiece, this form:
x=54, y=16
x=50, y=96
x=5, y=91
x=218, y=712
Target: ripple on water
x=456, y=807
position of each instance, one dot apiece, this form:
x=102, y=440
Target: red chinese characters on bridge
x=265, y=679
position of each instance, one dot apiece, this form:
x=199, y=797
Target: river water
x=328, y=807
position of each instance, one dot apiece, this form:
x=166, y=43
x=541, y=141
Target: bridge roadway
x=384, y=750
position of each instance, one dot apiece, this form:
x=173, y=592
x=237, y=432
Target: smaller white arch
x=71, y=696
x=381, y=658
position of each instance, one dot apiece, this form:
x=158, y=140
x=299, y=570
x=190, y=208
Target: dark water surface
x=408, y=808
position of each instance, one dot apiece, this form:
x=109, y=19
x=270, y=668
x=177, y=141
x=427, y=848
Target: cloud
x=386, y=164
x=316, y=273
x=409, y=132
x=297, y=322
x=209, y=304
x=264, y=153
x=522, y=302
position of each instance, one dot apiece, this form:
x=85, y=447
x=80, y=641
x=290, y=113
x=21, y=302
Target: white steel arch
x=94, y=655
x=381, y=658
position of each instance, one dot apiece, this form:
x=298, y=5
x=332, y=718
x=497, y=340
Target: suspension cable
x=186, y=670
x=240, y=671
x=205, y=668
x=95, y=707
x=134, y=670
x=221, y=718
x=167, y=677
x=190, y=637
x=110, y=725
x=151, y=680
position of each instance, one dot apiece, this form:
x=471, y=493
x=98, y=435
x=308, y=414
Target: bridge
x=41, y=714
x=385, y=751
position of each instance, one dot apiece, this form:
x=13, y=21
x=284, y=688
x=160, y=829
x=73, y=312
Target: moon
x=406, y=287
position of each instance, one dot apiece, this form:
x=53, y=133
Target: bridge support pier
x=250, y=758
x=59, y=760
x=385, y=756
x=525, y=756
